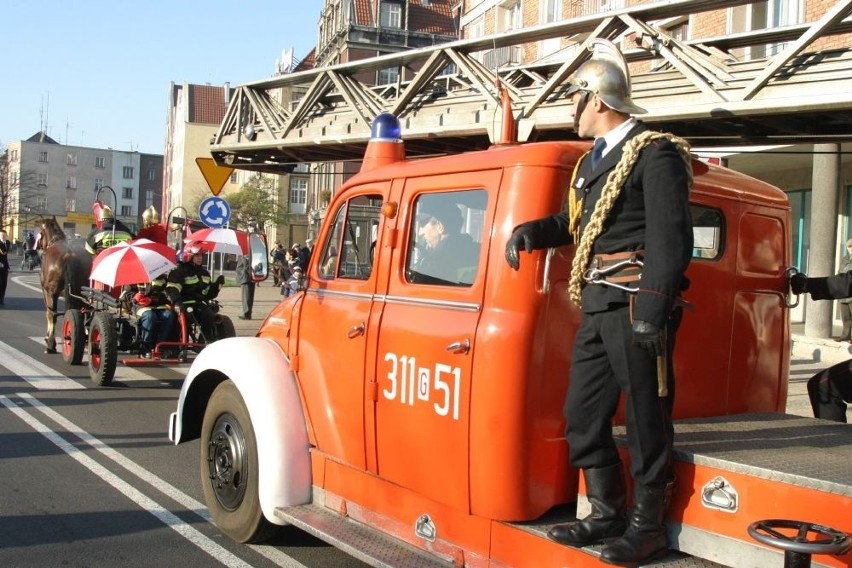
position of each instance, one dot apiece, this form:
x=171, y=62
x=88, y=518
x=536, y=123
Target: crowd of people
x=289, y=265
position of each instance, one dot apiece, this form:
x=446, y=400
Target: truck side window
x=707, y=225
x=445, y=238
x=347, y=252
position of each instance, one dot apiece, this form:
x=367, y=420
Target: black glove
x=799, y=283
x=178, y=305
x=649, y=337
x=220, y=281
x=522, y=237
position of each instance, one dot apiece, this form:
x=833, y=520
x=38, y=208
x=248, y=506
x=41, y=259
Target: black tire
x=228, y=466
x=225, y=327
x=103, y=349
x=73, y=337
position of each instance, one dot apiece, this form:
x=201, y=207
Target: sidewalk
x=266, y=297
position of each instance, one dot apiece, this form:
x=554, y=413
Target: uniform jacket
x=105, y=237
x=243, y=270
x=190, y=283
x=831, y=287
x=151, y=296
x=155, y=232
x=650, y=214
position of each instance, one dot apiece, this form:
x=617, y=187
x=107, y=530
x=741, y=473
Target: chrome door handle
x=460, y=347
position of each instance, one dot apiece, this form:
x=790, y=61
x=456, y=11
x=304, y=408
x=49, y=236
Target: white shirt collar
x=617, y=134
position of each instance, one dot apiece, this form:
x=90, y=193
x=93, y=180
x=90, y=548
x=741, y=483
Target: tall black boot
x=645, y=539
x=605, y=491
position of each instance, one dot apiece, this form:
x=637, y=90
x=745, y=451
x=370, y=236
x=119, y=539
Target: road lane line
x=34, y=372
x=129, y=374
x=148, y=477
x=163, y=515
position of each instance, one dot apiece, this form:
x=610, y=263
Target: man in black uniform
x=190, y=284
x=636, y=212
x=831, y=389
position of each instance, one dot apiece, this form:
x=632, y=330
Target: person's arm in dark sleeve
x=668, y=232
x=830, y=287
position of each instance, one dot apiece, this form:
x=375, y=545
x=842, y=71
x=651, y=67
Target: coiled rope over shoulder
x=611, y=191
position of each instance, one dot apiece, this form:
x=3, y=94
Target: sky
x=98, y=72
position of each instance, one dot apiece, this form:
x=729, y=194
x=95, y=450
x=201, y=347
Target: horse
x=65, y=269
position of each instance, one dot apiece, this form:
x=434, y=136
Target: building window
x=14, y=156
x=14, y=179
x=298, y=190
x=42, y=156
x=42, y=179
x=41, y=203
x=233, y=177
x=512, y=17
x=127, y=172
x=126, y=210
x=763, y=15
x=99, y=183
x=70, y=204
x=388, y=76
x=152, y=175
x=298, y=194
x=595, y=6
x=71, y=159
x=149, y=198
x=99, y=161
x=390, y=15
x=71, y=182
x=127, y=192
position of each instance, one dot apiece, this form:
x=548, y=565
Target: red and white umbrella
x=220, y=240
x=132, y=262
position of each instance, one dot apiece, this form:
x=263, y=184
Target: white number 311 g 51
x=408, y=383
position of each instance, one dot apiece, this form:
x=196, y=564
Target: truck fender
x=261, y=372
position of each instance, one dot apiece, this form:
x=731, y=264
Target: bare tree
x=18, y=193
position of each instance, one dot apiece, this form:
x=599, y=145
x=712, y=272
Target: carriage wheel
x=225, y=327
x=103, y=349
x=73, y=337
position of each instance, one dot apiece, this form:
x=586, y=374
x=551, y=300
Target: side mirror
x=259, y=256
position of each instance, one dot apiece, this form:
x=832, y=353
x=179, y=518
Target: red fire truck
x=416, y=419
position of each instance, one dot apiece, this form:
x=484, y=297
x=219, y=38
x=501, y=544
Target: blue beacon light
x=385, y=128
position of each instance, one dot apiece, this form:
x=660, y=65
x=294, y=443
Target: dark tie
x=597, y=152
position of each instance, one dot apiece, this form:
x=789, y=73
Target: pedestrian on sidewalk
x=829, y=390
x=846, y=303
x=5, y=246
x=244, y=279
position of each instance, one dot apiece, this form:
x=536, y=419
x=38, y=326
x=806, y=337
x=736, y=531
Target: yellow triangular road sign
x=215, y=175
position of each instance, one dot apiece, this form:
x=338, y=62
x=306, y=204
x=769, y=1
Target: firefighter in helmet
x=628, y=201
x=190, y=285
x=111, y=231
x=151, y=227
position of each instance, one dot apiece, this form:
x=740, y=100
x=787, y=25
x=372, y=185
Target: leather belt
x=617, y=268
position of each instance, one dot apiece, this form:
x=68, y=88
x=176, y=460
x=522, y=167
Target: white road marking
x=22, y=281
x=124, y=373
x=164, y=487
x=166, y=517
x=34, y=372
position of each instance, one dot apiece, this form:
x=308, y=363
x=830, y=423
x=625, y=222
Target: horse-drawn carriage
x=104, y=326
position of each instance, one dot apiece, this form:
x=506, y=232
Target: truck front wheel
x=228, y=465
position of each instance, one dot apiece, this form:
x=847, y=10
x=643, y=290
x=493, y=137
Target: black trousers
x=604, y=364
x=248, y=298
x=4, y=279
x=830, y=390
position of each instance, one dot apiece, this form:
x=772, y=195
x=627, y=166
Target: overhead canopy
x=696, y=89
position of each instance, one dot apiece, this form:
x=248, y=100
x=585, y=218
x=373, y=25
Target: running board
x=357, y=539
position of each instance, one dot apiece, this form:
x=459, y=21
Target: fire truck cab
x=412, y=398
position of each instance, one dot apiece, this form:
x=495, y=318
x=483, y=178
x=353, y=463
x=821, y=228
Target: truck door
x=427, y=339
x=335, y=325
